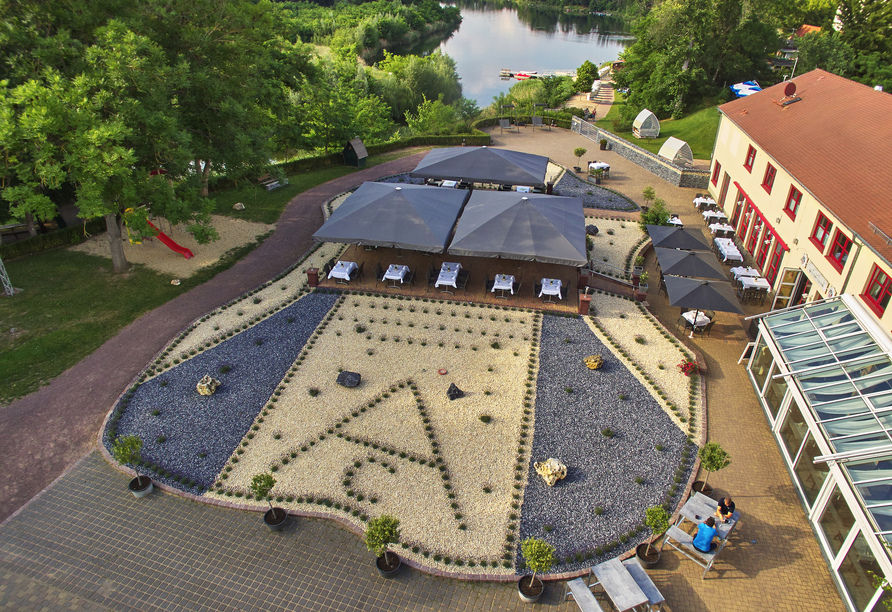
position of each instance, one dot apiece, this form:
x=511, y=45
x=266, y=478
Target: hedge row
x=52, y=240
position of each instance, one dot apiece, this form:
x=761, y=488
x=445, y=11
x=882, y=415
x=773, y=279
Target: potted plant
x=638, y=268
x=649, y=196
x=127, y=450
x=658, y=521
x=539, y=556
x=274, y=518
x=579, y=152
x=603, y=143
x=382, y=532
x=642, y=281
x=598, y=172
x=712, y=459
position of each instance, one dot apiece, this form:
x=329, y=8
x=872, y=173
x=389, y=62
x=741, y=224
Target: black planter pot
x=604, y=146
x=275, y=519
x=529, y=591
x=388, y=565
x=140, y=486
x=701, y=487
x=647, y=559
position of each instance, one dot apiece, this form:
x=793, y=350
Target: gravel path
x=601, y=470
x=196, y=425
x=592, y=195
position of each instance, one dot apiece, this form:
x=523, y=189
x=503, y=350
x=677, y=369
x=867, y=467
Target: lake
x=492, y=37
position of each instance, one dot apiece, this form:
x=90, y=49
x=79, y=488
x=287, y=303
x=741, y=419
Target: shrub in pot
x=712, y=459
x=127, y=450
x=658, y=521
x=380, y=534
x=638, y=268
x=539, y=556
x=261, y=485
x=578, y=152
x=603, y=144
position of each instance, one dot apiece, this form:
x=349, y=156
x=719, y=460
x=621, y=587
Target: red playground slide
x=171, y=244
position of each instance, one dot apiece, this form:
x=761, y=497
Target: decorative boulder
x=551, y=471
x=454, y=392
x=207, y=385
x=591, y=230
x=594, y=362
x=238, y=206
x=349, y=379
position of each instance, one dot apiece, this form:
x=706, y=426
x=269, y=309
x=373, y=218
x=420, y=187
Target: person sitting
x=706, y=533
x=725, y=509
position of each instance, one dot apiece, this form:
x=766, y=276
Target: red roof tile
x=836, y=141
x=807, y=29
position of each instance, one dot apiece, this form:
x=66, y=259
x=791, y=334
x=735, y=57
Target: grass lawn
x=265, y=206
x=72, y=302
x=697, y=129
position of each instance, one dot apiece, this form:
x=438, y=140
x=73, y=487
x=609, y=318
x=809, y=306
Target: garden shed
x=677, y=151
x=646, y=125
x=354, y=153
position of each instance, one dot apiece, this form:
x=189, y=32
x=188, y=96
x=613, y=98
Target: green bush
x=52, y=240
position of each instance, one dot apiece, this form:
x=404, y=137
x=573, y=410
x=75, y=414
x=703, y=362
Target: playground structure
x=166, y=240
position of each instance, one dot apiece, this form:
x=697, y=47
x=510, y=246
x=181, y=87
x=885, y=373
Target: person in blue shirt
x=706, y=533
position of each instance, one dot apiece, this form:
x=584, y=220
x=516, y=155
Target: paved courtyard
x=86, y=544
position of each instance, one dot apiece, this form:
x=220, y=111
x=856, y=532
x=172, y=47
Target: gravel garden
x=459, y=474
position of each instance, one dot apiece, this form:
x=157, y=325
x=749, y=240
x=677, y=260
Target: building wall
x=731, y=148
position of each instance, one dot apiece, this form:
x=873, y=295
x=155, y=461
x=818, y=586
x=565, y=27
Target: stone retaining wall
x=678, y=176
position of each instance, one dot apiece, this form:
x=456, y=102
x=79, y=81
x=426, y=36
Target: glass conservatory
x=823, y=374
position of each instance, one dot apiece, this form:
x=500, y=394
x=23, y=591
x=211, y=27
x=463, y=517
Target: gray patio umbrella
x=531, y=227
x=413, y=217
x=483, y=165
x=672, y=237
x=702, y=295
x=700, y=264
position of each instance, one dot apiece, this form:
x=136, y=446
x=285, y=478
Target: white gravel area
x=656, y=355
x=613, y=249
x=401, y=343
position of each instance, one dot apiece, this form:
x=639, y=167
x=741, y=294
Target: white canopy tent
x=646, y=125
x=677, y=151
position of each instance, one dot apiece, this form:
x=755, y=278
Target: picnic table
x=697, y=509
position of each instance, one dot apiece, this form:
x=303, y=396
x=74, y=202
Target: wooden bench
x=271, y=183
x=685, y=546
x=582, y=595
x=654, y=597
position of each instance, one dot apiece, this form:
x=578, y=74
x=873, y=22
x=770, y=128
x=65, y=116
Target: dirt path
x=46, y=432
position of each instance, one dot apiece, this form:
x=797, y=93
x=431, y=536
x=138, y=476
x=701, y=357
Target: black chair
x=710, y=314
x=461, y=282
x=379, y=273
x=663, y=287
x=517, y=285
x=432, y=276
x=488, y=284
x=687, y=324
x=705, y=329
x=327, y=267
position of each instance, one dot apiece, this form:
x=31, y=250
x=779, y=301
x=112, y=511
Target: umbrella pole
x=694, y=324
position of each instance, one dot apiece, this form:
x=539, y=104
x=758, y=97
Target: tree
x=381, y=532
x=827, y=51
x=260, y=486
x=579, y=152
x=656, y=215
x=865, y=28
x=658, y=521
x=586, y=74
x=410, y=80
x=539, y=556
x=127, y=450
x=713, y=458
x=433, y=117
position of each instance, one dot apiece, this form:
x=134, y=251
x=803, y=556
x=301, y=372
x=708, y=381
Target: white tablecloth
x=700, y=201
x=448, y=274
x=676, y=221
x=702, y=319
x=598, y=166
x=728, y=249
x=750, y=282
x=721, y=227
x=551, y=286
x=396, y=272
x=448, y=183
x=744, y=271
x=342, y=269
x=524, y=189
x=714, y=214
x=503, y=282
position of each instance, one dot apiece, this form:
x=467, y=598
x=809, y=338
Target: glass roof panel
x=835, y=376
x=876, y=384
x=848, y=406
x=841, y=330
x=873, y=440
x=849, y=342
x=870, y=470
x=883, y=517
x=799, y=340
x=852, y=426
x=883, y=400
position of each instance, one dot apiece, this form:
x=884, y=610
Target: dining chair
x=687, y=324
x=359, y=271
x=710, y=314
x=517, y=285
x=327, y=267
x=432, y=276
x=379, y=273
x=487, y=284
x=704, y=330
x=461, y=281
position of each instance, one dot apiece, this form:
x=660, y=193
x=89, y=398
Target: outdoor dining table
x=728, y=249
x=676, y=221
x=740, y=271
x=396, y=272
x=720, y=227
x=523, y=189
x=448, y=274
x=752, y=282
x=448, y=183
x=596, y=165
x=503, y=283
x=714, y=214
x=619, y=585
x=342, y=269
x=700, y=201
x=551, y=286
x=697, y=509
x=701, y=318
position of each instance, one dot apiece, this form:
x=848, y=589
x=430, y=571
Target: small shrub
x=485, y=418
x=313, y=391
x=607, y=432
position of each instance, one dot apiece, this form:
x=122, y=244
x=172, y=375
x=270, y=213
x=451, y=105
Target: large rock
x=349, y=379
x=594, y=362
x=591, y=230
x=454, y=392
x=207, y=385
x=551, y=470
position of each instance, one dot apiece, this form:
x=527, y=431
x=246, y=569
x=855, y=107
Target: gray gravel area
x=194, y=425
x=600, y=470
x=592, y=195
x=401, y=178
